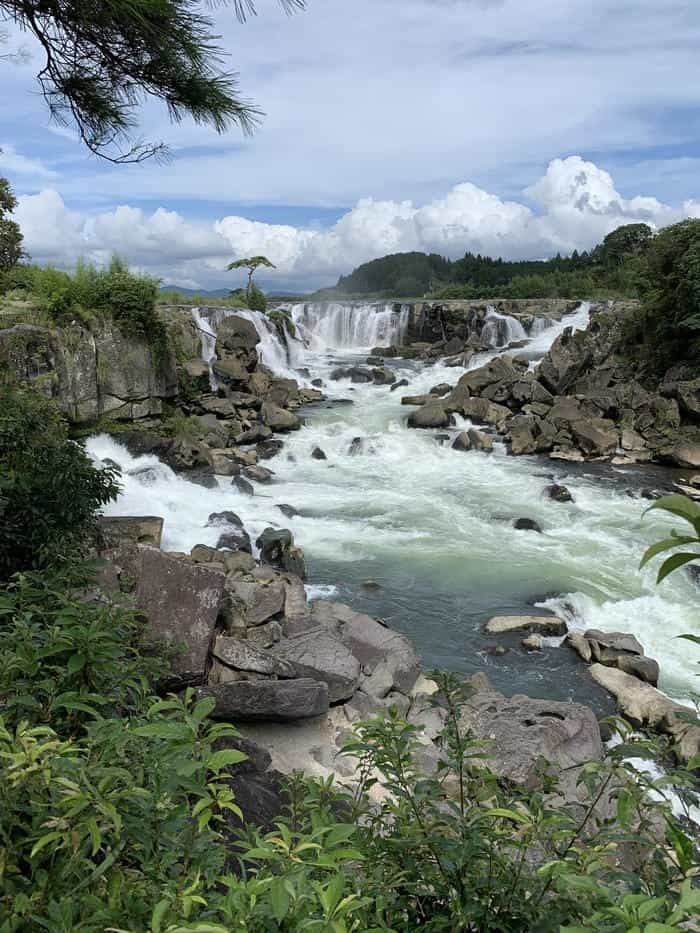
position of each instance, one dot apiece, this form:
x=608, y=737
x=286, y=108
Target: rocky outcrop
x=92, y=372
x=615, y=649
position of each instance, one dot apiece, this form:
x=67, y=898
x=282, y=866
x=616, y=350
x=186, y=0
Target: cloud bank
x=572, y=206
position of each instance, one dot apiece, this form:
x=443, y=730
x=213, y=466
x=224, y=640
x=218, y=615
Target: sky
x=517, y=128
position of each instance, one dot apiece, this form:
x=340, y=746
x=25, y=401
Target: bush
x=49, y=487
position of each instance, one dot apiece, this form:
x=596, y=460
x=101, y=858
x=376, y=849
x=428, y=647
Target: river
x=422, y=535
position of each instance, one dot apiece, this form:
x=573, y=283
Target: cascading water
x=282, y=356
x=347, y=325
x=501, y=329
x=434, y=527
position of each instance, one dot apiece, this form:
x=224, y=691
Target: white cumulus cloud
x=576, y=204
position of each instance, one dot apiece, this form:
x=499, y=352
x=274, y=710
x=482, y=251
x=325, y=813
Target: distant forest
x=611, y=269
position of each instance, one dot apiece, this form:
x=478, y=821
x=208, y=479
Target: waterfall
x=500, y=329
x=347, y=325
x=279, y=355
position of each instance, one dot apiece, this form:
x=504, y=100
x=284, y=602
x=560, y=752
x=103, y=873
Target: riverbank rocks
x=522, y=732
x=181, y=602
x=267, y=700
x=322, y=656
x=644, y=705
x=473, y=440
x=277, y=549
x=615, y=649
x=278, y=419
x=541, y=625
x=432, y=415
x=116, y=531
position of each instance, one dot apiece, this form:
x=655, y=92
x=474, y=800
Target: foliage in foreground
x=49, y=487
x=116, y=812
x=11, y=250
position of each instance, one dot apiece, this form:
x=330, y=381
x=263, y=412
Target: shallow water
x=433, y=528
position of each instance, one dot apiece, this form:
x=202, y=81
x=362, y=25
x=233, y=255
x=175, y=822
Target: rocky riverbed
x=299, y=458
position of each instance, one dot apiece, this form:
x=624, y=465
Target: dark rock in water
x=225, y=518
x=650, y=494
x=268, y=700
x=558, y=493
x=527, y=524
x=318, y=383
x=108, y=462
x=242, y=485
x=269, y=449
x=288, y=510
x=384, y=376
x=496, y=650
x=473, y=440
x=693, y=573
x=277, y=550
x=234, y=541
x=432, y=415
x=353, y=373
x=203, y=478
x=143, y=442
x=374, y=361
x=371, y=586
x=318, y=454
x=399, y=385
x=304, y=371
x=258, y=473
x=442, y=439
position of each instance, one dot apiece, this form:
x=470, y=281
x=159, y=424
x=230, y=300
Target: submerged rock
x=558, y=493
x=242, y=485
x=288, y=510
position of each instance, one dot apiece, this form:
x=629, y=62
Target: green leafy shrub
x=49, y=487
x=257, y=300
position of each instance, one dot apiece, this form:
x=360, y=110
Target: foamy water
x=433, y=526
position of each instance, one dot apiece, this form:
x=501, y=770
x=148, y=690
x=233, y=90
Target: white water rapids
x=434, y=526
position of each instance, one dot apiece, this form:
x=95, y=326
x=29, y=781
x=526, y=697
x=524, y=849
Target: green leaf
x=678, y=505
x=45, y=841
x=508, y=815
x=225, y=757
x=158, y=913
x=163, y=730
x=76, y=662
x=279, y=898
x=666, y=545
x=673, y=563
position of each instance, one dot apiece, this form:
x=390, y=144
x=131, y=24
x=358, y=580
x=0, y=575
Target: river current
x=422, y=535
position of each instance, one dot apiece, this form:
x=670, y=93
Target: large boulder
x=372, y=643
x=268, y=700
x=596, y=437
x=322, y=656
x=521, y=732
x=277, y=549
x=278, y=419
x=569, y=357
x=236, y=333
x=432, y=415
x=240, y=655
x=259, y=601
x=117, y=530
x=181, y=602
x=644, y=705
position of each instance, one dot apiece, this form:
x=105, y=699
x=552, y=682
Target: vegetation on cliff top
x=117, y=811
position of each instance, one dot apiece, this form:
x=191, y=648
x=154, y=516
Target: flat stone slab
x=322, y=656
x=181, y=601
x=121, y=529
x=542, y=625
x=238, y=654
x=268, y=700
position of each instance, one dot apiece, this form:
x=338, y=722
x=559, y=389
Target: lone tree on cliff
x=251, y=264
x=11, y=250
x=102, y=60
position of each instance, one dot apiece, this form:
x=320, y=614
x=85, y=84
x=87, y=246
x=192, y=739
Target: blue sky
x=518, y=127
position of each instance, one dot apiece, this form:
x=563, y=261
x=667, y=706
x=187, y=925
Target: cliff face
x=432, y=321
x=90, y=372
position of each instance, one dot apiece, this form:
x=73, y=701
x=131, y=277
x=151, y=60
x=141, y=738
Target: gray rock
x=596, y=436
x=541, y=625
x=225, y=518
x=242, y=485
x=558, y=493
x=277, y=549
x=181, y=602
x=288, y=510
x=240, y=655
x=117, y=530
x=432, y=415
x=318, y=454
x=258, y=473
x=399, y=385
x=268, y=700
x=323, y=657
x=234, y=541
x=278, y=419
x=261, y=601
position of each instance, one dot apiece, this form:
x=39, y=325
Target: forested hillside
x=612, y=268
